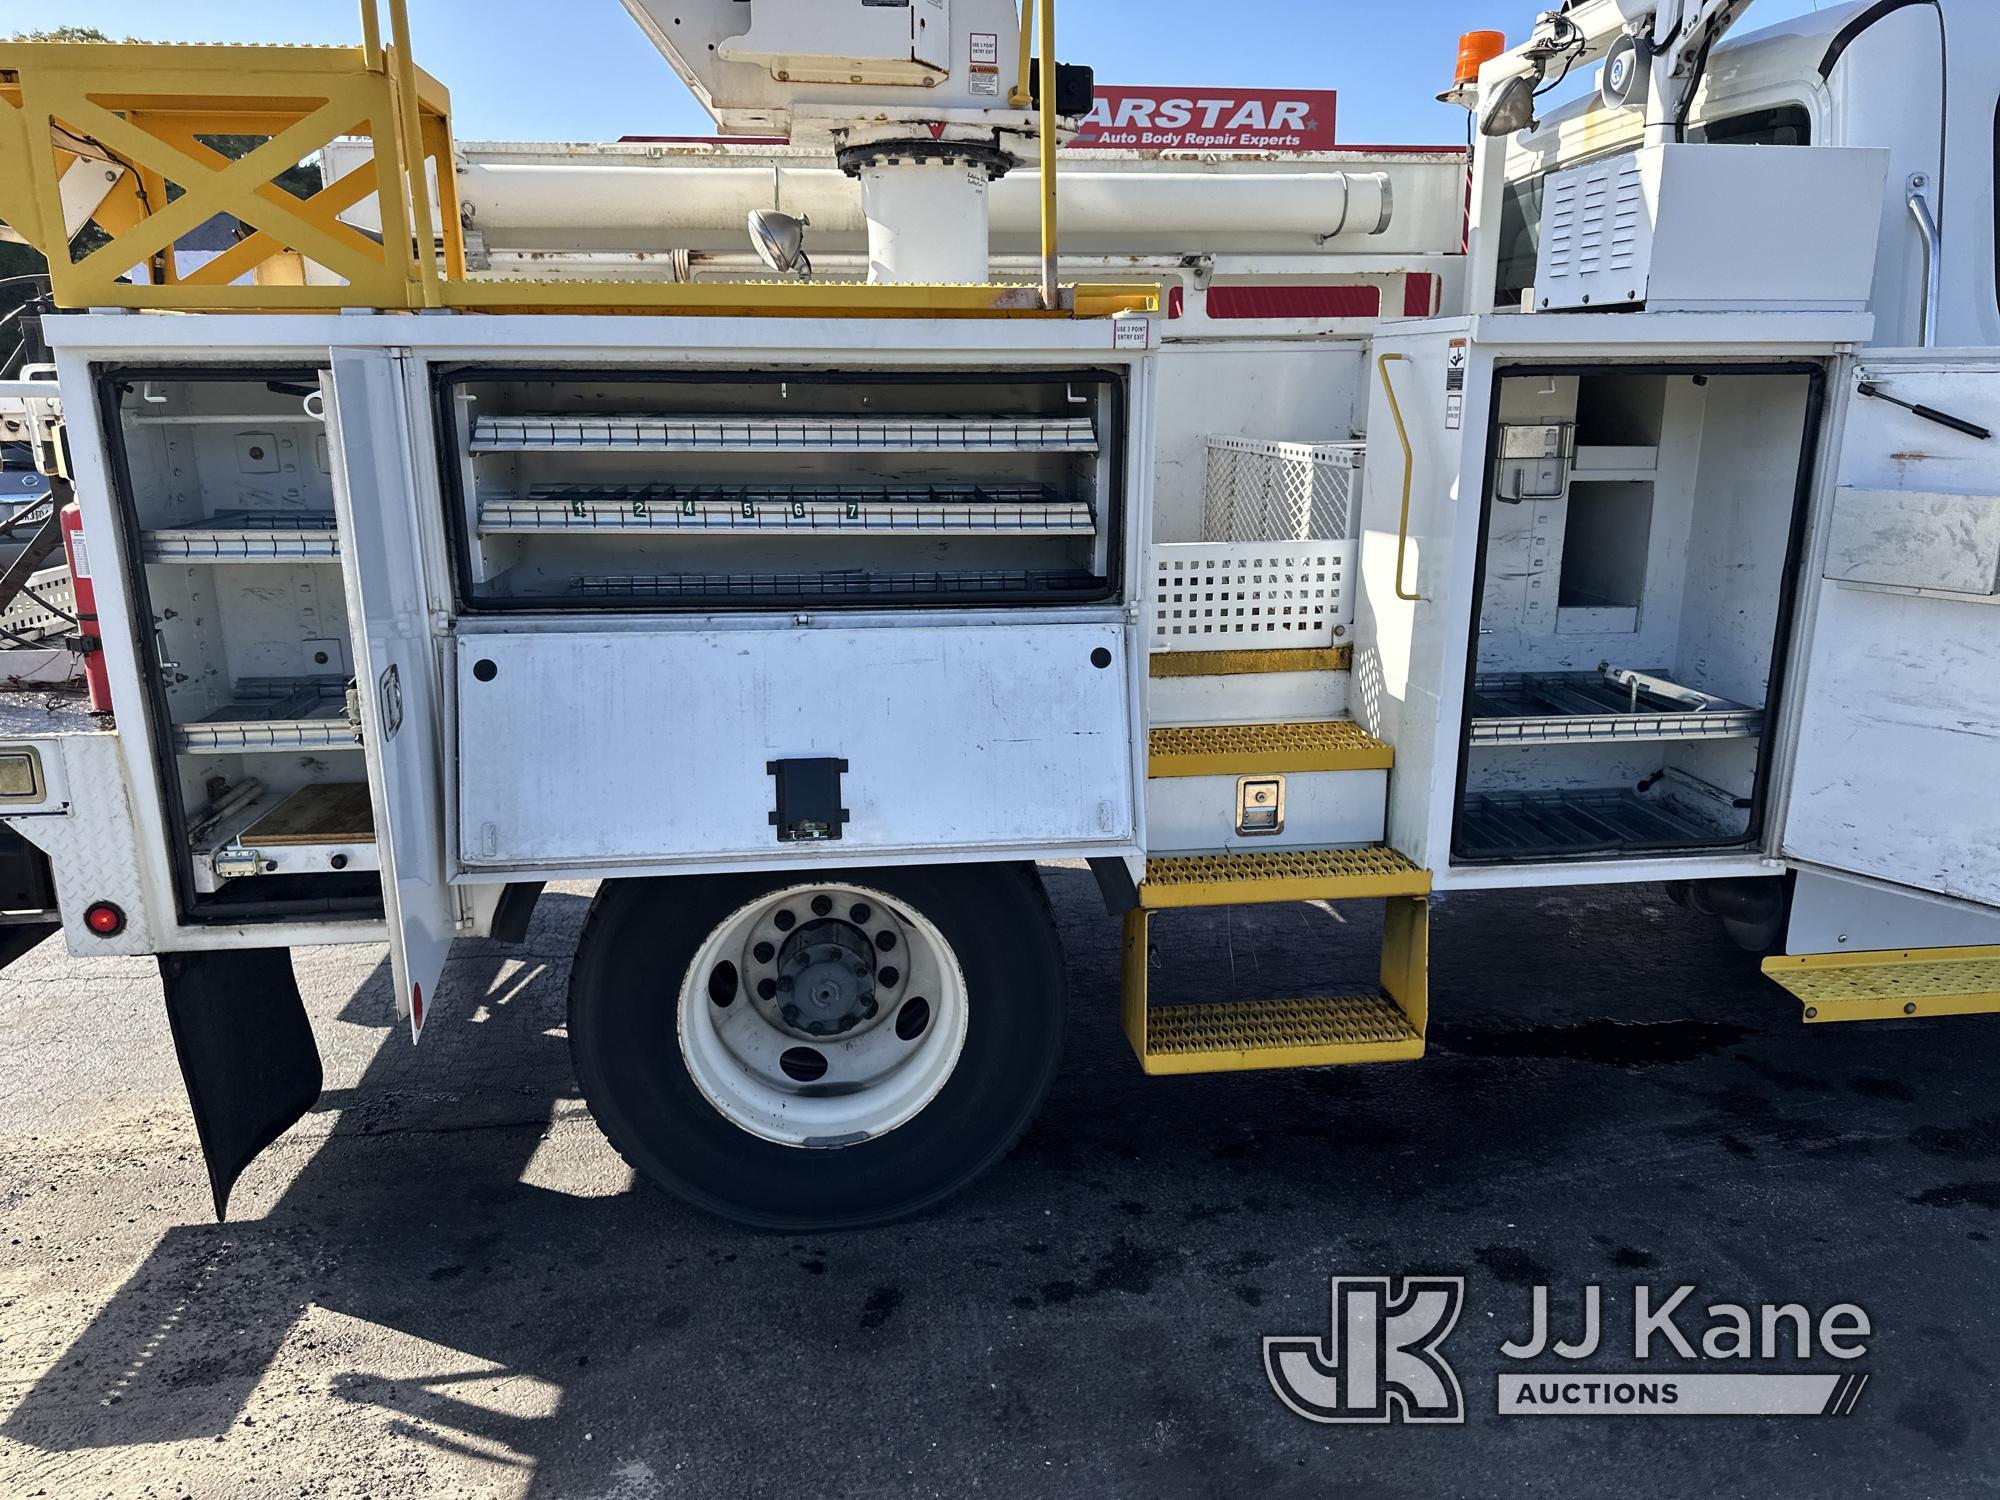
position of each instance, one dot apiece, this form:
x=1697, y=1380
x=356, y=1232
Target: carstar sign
x=1177, y=119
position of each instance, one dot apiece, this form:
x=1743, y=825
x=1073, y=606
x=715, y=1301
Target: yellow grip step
x=1243, y=1035
x=1248, y=663
x=1891, y=984
x=1378, y=1023
x=1360, y=873
x=1259, y=749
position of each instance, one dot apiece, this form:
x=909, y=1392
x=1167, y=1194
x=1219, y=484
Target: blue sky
x=580, y=70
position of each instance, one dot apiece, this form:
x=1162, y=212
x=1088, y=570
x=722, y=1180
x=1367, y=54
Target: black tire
x=637, y=944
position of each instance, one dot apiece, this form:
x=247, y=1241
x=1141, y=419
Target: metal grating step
x=1253, y=749
x=1244, y=1035
x=1368, y=871
x=1385, y=1023
x=1891, y=984
x=1247, y=663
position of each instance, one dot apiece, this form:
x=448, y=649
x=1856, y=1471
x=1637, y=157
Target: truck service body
x=1617, y=504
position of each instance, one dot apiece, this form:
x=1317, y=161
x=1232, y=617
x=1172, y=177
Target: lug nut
x=767, y=988
x=784, y=921
x=888, y=978
x=886, y=941
x=791, y=1015
x=763, y=953
x=869, y=1008
x=860, y=912
x=822, y=905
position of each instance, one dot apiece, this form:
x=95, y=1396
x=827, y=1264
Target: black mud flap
x=246, y=1050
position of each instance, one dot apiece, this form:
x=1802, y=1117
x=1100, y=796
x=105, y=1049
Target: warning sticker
x=1456, y=357
x=986, y=48
x=987, y=83
x=1130, y=332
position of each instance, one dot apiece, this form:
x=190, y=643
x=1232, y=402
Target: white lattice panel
x=1260, y=491
x=1235, y=596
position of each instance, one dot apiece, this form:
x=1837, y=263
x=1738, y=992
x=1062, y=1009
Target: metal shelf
x=1586, y=708
x=852, y=584
x=768, y=434
x=247, y=536
x=1523, y=824
x=275, y=713
x=857, y=510
x=321, y=828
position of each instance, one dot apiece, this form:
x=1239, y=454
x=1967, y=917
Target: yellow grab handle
x=1409, y=473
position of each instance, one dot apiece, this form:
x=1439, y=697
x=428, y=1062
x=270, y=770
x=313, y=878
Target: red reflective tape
x=417, y=1005
x=1230, y=302
x=1419, y=294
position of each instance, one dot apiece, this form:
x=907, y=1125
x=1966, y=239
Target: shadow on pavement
x=1614, y=1094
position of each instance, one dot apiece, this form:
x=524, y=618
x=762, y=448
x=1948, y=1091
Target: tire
x=679, y=1077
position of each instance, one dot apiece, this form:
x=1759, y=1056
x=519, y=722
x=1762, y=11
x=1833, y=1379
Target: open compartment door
x=395, y=664
x=1897, y=746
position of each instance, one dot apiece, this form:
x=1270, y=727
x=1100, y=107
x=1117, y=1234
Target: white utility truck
x=491, y=518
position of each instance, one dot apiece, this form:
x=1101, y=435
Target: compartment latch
x=809, y=810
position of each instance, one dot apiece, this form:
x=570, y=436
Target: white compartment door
x=395, y=664
x=1896, y=773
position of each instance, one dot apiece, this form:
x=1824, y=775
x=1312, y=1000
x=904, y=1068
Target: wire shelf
x=1032, y=510
x=768, y=434
x=247, y=536
x=1563, y=708
x=1280, y=492
x=275, y=713
x=851, y=584
x=1520, y=824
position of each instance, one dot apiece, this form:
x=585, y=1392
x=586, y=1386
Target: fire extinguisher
x=88, y=642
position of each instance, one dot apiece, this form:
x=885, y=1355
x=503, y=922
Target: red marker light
x=104, y=919
x=417, y=1005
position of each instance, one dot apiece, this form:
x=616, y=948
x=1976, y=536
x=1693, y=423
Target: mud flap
x=246, y=1051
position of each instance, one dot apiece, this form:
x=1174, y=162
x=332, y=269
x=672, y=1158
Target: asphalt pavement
x=444, y=1283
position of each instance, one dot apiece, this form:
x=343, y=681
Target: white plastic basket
x=1280, y=492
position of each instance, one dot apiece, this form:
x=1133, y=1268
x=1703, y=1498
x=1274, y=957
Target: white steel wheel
x=859, y=1106
x=821, y=1016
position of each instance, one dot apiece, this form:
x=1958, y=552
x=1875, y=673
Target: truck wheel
x=817, y=1052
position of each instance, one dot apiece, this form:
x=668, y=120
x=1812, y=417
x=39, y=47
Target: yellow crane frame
x=155, y=108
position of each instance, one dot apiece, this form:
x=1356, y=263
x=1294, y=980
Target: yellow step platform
x=1266, y=749
x=1245, y=663
x=1892, y=984
x=1361, y=873
x=1384, y=1025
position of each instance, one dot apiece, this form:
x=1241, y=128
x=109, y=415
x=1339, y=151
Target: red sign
x=1174, y=119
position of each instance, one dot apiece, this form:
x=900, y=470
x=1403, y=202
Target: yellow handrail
x=413, y=153
x=1409, y=472
x=371, y=37
x=1022, y=96
x=1051, y=279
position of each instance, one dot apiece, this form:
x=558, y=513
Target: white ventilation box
x=1688, y=228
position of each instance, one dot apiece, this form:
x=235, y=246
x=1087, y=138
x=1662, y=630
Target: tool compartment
x=1634, y=585
x=225, y=485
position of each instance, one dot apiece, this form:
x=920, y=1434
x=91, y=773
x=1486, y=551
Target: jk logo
x=1380, y=1363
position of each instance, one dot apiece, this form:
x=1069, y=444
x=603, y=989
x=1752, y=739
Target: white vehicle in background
x=1279, y=542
